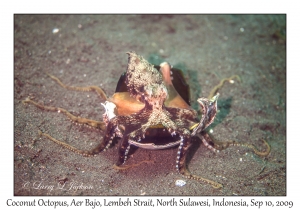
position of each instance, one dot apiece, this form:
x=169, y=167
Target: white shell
x=109, y=109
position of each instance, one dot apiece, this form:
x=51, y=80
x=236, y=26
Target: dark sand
x=90, y=50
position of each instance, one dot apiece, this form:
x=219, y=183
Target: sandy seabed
x=85, y=50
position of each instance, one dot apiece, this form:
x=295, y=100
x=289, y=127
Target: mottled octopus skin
x=150, y=103
x=146, y=84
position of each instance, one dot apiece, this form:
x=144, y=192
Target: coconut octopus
x=146, y=103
